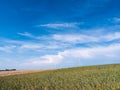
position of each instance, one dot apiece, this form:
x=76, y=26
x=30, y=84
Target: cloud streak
x=60, y=25
x=7, y=49
x=82, y=38
x=77, y=38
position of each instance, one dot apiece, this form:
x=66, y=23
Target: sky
x=47, y=34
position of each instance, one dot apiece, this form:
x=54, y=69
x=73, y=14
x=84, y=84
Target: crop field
x=103, y=77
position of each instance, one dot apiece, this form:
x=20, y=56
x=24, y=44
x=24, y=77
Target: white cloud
x=43, y=61
x=29, y=35
x=99, y=54
x=30, y=46
x=75, y=38
x=56, y=42
x=82, y=38
x=7, y=49
x=26, y=34
x=76, y=55
x=33, y=46
x=93, y=52
x=110, y=37
x=37, y=46
x=116, y=19
x=60, y=25
x=48, y=59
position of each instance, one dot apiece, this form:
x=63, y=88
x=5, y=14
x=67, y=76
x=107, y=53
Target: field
x=8, y=73
x=103, y=77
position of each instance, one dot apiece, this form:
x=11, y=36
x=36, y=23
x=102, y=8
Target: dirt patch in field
x=8, y=73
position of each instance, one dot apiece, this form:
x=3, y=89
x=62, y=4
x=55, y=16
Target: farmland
x=102, y=77
x=9, y=73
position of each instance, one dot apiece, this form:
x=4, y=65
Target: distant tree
x=7, y=70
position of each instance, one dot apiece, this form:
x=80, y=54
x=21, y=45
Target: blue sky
x=45, y=34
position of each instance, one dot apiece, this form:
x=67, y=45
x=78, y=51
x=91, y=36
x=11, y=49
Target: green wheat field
x=102, y=77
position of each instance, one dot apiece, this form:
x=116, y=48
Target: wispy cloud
x=60, y=25
x=26, y=34
x=29, y=35
x=23, y=46
x=72, y=38
x=116, y=19
x=76, y=38
x=83, y=38
x=7, y=49
x=79, y=56
x=58, y=41
x=31, y=46
x=47, y=59
x=93, y=52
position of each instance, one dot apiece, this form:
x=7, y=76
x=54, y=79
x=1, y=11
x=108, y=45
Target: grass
x=104, y=77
